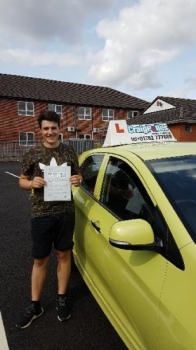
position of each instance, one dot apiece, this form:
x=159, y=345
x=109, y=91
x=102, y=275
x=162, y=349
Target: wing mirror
x=134, y=234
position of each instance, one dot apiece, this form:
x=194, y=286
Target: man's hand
x=126, y=193
x=75, y=180
x=38, y=182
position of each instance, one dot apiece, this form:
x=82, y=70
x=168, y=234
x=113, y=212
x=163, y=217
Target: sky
x=145, y=48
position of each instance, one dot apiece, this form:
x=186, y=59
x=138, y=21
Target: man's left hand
x=76, y=180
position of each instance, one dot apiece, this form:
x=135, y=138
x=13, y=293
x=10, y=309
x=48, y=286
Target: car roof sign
x=119, y=133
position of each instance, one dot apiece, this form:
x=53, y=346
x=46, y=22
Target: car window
x=122, y=192
x=177, y=178
x=89, y=170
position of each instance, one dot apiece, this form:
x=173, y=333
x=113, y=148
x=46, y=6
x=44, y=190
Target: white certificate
x=135, y=203
x=58, y=187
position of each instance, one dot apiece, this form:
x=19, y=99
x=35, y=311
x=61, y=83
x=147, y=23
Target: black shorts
x=54, y=230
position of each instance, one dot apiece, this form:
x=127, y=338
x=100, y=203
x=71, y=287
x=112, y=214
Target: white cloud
x=144, y=37
x=47, y=20
x=190, y=84
x=27, y=57
x=143, y=47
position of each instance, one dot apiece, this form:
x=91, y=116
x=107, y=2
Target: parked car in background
x=135, y=240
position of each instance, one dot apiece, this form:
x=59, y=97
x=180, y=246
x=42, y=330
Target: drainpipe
x=92, y=125
x=75, y=121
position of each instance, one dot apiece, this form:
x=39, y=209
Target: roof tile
x=184, y=112
x=53, y=91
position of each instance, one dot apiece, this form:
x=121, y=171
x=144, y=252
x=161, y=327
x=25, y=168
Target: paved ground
x=88, y=329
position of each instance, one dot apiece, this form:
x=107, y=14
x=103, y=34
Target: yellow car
x=135, y=240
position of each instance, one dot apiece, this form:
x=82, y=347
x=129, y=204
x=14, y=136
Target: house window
x=84, y=113
x=60, y=136
x=26, y=138
x=55, y=108
x=25, y=108
x=188, y=127
x=84, y=136
x=131, y=114
x=107, y=114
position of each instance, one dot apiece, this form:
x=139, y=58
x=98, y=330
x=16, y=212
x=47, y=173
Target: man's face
x=50, y=134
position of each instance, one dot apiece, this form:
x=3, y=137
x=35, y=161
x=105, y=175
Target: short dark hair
x=51, y=116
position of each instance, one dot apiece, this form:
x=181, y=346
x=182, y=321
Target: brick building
x=85, y=110
x=178, y=113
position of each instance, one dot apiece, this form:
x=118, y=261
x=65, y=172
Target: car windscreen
x=177, y=178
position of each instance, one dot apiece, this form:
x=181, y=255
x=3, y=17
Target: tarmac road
x=88, y=328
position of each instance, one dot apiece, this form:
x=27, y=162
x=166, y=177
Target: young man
x=52, y=223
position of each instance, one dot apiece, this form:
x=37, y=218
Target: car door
x=178, y=305
x=129, y=282
x=85, y=200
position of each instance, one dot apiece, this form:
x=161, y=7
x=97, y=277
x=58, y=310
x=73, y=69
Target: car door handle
x=95, y=226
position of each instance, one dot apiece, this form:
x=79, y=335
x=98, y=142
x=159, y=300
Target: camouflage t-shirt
x=30, y=166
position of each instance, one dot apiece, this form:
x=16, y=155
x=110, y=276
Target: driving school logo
x=147, y=128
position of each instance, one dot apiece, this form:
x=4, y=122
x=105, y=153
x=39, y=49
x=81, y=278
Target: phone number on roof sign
x=152, y=138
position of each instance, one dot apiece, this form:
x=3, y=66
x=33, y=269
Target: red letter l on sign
x=118, y=130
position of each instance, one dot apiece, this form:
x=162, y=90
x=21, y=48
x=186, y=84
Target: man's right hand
x=38, y=182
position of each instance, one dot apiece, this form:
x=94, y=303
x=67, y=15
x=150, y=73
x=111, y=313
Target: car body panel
x=158, y=150
x=177, y=305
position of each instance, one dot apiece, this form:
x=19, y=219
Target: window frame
x=188, y=128
x=26, y=142
x=134, y=179
x=84, y=115
x=108, y=117
x=132, y=111
x=26, y=111
x=53, y=107
x=61, y=136
x=89, y=182
x=86, y=136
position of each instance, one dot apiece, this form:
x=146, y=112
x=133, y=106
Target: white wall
x=159, y=105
